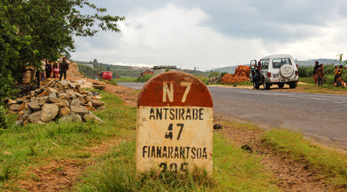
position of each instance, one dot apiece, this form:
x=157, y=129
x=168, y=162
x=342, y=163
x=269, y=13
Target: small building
x=163, y=68
x=146, y=72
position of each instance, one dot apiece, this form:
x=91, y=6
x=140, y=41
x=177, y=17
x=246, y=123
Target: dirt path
x=290, y=175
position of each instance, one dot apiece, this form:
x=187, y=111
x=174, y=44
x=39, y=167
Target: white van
x=274, y=69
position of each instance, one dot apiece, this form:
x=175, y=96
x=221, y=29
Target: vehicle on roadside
x=278, y=69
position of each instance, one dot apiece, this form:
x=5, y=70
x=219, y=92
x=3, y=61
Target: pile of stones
x=55, y=100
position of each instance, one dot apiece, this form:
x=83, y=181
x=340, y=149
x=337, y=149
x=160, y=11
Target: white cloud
x=176, y=35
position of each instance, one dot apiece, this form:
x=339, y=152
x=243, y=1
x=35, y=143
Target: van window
x=264, y=63
x=253, y=64
x=277, y=63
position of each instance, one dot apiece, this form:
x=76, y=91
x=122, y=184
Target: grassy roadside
x=24, y=148
x=234, y=170
x=308, y=86
x=330, y=164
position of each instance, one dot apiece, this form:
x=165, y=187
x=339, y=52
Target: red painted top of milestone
x=175, y=89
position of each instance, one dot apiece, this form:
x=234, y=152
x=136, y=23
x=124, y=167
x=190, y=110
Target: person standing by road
x=38, y=75
x=316, y=66
x=339, y=72
x=63, y=67
x=48, y=70
x=55, y=70
x=320, y=75
x=336, y=73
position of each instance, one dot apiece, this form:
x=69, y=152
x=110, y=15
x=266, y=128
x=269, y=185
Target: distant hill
x=91, y=70
x=311, y=62
x=228, y=69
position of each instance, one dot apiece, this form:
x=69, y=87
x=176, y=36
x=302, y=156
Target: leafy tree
x=213, y=74
x=95, y=61
x=34, y=30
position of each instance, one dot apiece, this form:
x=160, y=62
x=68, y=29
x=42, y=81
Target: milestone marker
x=174, y=124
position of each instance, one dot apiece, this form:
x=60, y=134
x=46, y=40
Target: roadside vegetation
x=234, y=170
x=26, y=148
x=330, y=164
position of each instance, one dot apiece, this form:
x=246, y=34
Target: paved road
x=321, y=116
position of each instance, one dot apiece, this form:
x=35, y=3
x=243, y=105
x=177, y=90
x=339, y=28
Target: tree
x=33, y=30
x=95, y=61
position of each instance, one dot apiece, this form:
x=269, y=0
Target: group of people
x=53, y=70
x=319, y=75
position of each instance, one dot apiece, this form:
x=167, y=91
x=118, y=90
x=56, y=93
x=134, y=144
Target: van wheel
x=292, y=85
x=280, y=85
x=266, y=86
x=255, y=85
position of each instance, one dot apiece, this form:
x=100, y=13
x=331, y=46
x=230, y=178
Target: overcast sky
x=208, y=34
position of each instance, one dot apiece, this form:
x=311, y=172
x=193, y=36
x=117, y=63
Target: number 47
x=169, y=134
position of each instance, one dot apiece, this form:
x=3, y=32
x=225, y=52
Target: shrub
x=145, y=78
x=3, y=120
x=6, y=82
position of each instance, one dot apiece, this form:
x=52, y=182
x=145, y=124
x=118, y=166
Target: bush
x=3, y=120
x=6, y=82
x=112, y=82
x=145, y=78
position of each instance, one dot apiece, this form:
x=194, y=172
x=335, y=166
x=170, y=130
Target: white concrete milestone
x=174, y=124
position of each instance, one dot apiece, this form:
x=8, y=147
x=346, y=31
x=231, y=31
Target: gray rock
x=64, y=83
x=19, y=101
x=49, y=112
x=97, y=103
x=82, y=101
x=59, y=105
x=63, y=95
x=78, y=94
x=73, y=85
x=34, y=105
x=72, y=117
x=50, y=83
x=52, y=95
x=55, y=100
x=42, y=100
x=76, y=117
x=79, y=110
x=14, y=107
x=10, y=101
x=88, y=99
x=26, y=114
x=20, y=122
x=75, y=102
x=38, y=91
x=64, y=111
x=89, y=104
x=34, y=117
x=65, y=103
x=71, y=94
x=51, y=90
x=91, y=117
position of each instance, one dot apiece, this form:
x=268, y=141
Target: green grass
x=331, y=164
x=234, y=170
x=126, y=79
x=328, y=88
x=33, y=144
x=244, y=83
